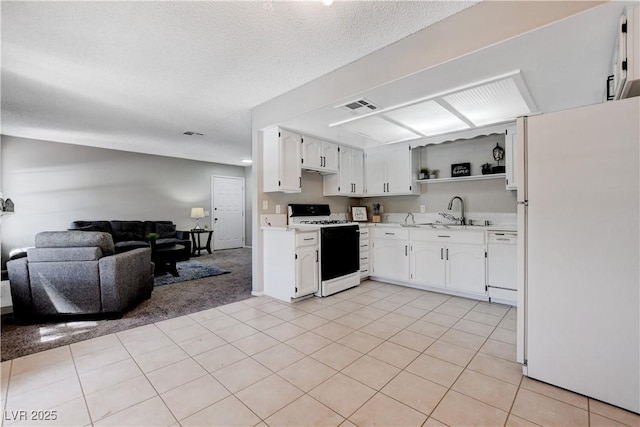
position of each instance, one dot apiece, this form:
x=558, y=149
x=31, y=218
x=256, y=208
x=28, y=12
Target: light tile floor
x=377, y=354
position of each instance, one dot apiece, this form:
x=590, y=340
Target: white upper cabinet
x=391, y=170
x=318, y=155
x=281, y=151
x=350, y=177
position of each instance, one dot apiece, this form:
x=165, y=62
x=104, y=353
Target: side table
x=197, y=243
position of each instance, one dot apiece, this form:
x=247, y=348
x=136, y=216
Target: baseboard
x=257, y=294
x=249, y=247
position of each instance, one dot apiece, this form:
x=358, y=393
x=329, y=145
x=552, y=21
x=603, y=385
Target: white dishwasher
x=502, y=266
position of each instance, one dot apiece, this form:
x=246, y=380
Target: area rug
x=189, y=270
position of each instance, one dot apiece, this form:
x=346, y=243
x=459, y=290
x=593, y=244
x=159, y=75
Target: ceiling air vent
x=359, y=106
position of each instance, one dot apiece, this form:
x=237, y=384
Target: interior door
x=227, y=199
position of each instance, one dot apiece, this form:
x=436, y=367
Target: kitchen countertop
x=495, y=227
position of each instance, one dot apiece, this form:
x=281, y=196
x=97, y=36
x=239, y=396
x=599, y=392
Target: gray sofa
x=78, y=272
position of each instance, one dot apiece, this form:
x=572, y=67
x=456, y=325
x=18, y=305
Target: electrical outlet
x=422, y=209
x=278, y=209
x=265, y=205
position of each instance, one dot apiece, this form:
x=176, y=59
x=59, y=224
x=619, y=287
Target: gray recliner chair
x=78, y=272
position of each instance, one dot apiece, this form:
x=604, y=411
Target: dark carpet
x=166, y=302
x=189, y=270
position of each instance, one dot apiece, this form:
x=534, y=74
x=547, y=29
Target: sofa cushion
x=130, y=244
x=104, y=226
x=127, y=230
x=166, y=230
x=92, y=253
x=71, y=239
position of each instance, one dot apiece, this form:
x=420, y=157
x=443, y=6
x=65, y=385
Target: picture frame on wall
x=359, y=213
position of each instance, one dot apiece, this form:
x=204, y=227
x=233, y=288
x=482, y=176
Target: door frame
x=213, y=203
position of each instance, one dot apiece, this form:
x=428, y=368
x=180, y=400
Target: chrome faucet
x=462, y=219
x=413, y=220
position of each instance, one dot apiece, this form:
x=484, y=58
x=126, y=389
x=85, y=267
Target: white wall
x=53, y=184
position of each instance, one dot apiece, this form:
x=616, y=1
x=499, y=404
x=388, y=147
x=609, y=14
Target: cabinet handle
x=322, y=161
x=309, y=238
x=300, y=182
x=317, y=256
x=443, y=235
x=441, y=255
x=391, y=234
x=405, y=250
x=447, y=254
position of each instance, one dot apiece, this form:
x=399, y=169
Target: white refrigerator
x=578, y=250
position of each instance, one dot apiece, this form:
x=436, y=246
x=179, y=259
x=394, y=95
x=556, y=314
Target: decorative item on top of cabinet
x=281, y=161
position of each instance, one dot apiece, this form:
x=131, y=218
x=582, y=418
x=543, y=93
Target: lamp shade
x=197, y=212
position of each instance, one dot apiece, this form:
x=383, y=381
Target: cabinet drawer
x=364, y=233
x=306, y=239
x=364, y=246
x=449, y=236
x=391, y=233
x=364, y=259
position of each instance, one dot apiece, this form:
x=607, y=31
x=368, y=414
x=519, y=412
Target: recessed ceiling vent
x=359, y=106
x=192, y=133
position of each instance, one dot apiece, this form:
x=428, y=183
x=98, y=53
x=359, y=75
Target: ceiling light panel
x=490, y=103
x=428, y=118
x=382, y=130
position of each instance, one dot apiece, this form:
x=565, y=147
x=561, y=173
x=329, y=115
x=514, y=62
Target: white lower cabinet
x=390, y=254
x=450, y=260
x=427, y=266
x=290, y=263
x=454, y=260
x=306, y=271
x=466, y=267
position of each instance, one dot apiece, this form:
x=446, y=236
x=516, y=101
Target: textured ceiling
x=134, y=75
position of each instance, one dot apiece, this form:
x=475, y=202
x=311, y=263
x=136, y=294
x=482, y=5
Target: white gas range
x=339, y=245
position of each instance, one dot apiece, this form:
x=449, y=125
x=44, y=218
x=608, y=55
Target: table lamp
x=197, y=213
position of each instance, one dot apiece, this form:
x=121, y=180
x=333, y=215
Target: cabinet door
x=357, y=171
x=329, y=156
x=307, y=276
x=391, y=259
x=466, y=268
x=376, y=172
x=346, y=166
x=312, y=153
x=428, y=264
x=398, y=169
x=290, y=171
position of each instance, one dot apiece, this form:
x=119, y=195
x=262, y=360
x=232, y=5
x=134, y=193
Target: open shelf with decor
x=462, y=178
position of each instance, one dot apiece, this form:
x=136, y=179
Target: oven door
x=339, y=251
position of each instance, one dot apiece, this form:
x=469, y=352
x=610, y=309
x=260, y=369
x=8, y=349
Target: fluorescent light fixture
x=380, y=129
x=490, y=103
x=497, y=100
x=247, y=161
x=428, y=118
